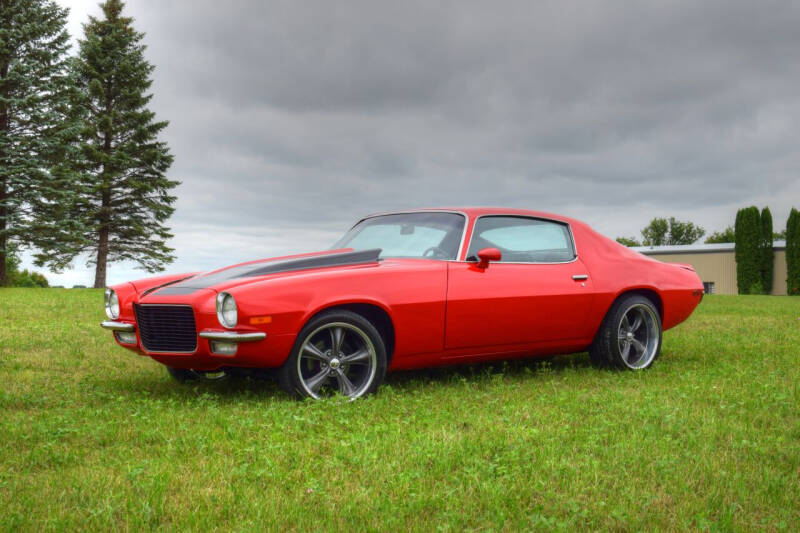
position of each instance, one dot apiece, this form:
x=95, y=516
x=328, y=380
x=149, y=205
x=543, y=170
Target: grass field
x=94, y=437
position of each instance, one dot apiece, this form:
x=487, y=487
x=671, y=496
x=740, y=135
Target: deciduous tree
x=662, y=231
x=719, y=237
x=628, y=241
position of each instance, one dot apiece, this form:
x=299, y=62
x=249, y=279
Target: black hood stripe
x=190, y=285
x=167, y=284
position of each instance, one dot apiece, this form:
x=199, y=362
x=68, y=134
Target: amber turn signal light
x=255, y=320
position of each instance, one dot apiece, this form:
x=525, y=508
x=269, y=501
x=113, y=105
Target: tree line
x=753, y=237
x=82, y=169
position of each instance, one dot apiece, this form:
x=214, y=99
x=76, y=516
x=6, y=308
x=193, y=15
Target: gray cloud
x=291, y=119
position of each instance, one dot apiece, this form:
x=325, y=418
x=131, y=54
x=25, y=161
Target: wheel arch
x=374, y=313
x=647, y=292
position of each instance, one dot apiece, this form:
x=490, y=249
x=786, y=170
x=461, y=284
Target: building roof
x=697, y=248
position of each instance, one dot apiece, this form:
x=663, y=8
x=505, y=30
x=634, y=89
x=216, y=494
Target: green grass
x=95, y=437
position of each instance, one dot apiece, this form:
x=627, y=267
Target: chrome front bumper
x=220, y=336
x=117, y=326
x=232, y=336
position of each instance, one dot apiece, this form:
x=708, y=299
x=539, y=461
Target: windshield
x=432, y=235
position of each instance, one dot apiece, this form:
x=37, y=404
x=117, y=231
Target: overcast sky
x=291, y=119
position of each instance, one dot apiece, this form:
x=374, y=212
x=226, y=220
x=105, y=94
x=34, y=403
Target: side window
x=522, y=239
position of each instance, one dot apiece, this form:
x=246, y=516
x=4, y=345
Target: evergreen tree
x=793, y=253
x=767, y=254
x=35, y=129
x=748, y=251
x=126, y=197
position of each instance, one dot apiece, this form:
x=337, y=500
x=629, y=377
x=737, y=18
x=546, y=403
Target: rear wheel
x=630, y=336
x=336, y=352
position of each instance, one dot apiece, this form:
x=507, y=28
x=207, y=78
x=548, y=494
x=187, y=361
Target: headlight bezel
x=112, y=304
x=224, y=298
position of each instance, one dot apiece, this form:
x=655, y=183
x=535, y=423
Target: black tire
x=360, y=357
x=185, y=375
x=630, y=336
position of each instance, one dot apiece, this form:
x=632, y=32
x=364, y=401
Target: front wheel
x=336, y=352
x=630, y=336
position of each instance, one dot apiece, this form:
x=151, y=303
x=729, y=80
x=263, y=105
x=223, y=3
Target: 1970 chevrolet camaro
x=407, y=290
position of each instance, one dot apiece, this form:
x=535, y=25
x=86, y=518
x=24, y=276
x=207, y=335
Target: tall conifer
x=793, y=253
x=35, y=129
x=748, y=251
x=767, y=253
x=126, y=198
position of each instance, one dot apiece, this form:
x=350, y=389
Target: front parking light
x=223, y=348
x=125, y=337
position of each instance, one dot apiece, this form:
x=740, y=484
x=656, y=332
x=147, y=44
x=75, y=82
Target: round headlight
x=226, y=310
x=112, y=304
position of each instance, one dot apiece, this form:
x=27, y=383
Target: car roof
x=474, y=212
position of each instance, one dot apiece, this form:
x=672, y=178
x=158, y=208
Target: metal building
x=715, y=264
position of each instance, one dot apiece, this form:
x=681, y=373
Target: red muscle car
x=407, y=290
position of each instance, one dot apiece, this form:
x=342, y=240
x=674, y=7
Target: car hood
x=256, y=270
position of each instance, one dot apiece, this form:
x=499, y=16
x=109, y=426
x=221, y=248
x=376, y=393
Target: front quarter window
x=433, y=235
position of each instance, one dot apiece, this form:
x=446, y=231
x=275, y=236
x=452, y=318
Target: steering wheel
x=434, y=252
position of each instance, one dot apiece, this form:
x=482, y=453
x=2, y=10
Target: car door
x=538, y=293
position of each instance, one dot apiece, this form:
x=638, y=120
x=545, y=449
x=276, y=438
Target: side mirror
x=488, y=254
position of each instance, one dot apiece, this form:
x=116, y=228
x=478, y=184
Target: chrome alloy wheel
x=638, y=336
x=337, y=357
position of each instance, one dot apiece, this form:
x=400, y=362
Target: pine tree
x=126, y=195
x=35, y=130
x=793, y=253
x=748, y=251
x=767, y=253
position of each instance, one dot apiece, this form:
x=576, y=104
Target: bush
x=21, y=278
x=756, y=288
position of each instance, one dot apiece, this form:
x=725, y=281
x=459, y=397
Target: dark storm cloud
x=290, y=119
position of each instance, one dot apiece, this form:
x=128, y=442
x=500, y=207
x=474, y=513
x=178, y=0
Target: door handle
x=580, y=277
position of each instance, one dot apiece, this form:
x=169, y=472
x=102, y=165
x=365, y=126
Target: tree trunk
x=3, y=237
x=105, y=220
x=102, y=241
x=102, y=258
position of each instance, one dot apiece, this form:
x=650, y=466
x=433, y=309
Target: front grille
x=166, y=328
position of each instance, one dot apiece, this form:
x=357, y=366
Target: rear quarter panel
x=616, y=269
